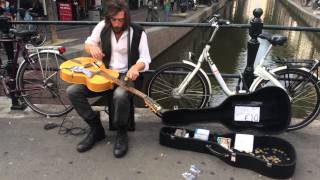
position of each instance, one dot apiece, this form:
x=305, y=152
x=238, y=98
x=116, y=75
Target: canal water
x=229, y=49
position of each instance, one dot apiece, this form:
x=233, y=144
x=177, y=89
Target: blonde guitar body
x=93, y=74
x=97, y=82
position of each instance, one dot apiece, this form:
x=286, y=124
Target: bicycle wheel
x=40, y=38
x=314, y=5
x=40, y=85
x=303, y=89
x=164, y=82
x=304, y=2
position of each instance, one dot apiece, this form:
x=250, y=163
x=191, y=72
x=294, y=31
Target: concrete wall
x=306, y=16
x=161, y=38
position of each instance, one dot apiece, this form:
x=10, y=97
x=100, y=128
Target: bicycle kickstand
x=244, y=84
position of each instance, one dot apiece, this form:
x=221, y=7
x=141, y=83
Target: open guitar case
x=270, y=156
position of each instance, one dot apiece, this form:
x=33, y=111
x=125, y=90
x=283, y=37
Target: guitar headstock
x=153, y=106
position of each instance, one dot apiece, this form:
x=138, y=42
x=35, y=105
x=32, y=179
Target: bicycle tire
x=169, y=76
x=43, y=91
x=305, y=93
x=304, y=2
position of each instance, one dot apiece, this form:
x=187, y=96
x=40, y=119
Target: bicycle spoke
x=161, y=99
x=30, y=94
x=194, y=84
x=30, y=81
x=305, y=98
x=160, y=88
x=59, y=97
x=191, y=98
x=160, y=92
x=164, y=83
x=195, y=95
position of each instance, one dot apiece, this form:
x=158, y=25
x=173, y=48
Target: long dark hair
x=115, y=6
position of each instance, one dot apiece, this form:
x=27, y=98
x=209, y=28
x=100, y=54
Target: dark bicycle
x=36, y=80
x=41, y=36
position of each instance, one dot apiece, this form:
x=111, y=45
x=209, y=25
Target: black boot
x=95, y=134
x=121, y=144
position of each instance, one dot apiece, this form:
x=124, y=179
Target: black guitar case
x=273, y=102
x=271, y=156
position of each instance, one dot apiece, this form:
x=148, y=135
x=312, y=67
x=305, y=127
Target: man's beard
x=117, y=29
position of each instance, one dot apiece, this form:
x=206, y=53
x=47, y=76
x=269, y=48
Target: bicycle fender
x=278, y=69
x=49, y=51
x=202, y=72
x=301, y=68
x=46, y=51
x=272, y=71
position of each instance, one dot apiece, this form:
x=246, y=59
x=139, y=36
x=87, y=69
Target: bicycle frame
x=43, y=49
x=25, y=49
x=260, y=71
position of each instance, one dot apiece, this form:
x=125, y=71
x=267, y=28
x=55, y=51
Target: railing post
x=255, y=29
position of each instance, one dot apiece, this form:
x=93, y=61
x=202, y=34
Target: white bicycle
x=186, y=85
x=38, y=81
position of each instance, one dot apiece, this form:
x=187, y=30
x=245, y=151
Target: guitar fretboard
x=123, y=85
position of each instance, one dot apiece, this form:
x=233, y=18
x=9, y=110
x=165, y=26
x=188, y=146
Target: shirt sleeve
x=94, y=38
x=144, y=51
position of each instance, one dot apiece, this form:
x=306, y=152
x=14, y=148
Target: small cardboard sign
x=244, y=142
x=247, y=113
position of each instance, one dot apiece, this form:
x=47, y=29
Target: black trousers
x=79, y=94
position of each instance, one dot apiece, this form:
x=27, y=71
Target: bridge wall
x=161, y=38
x=303, y=14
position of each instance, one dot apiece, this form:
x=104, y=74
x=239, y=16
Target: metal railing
x=255, y=28
x=174, y=24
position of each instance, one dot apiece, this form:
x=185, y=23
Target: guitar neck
x=154, y=106
x=124, y=85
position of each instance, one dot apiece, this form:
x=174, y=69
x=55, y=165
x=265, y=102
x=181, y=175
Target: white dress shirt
x=119, y=52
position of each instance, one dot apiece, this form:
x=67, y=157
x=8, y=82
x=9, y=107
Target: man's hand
x=94, y=51
x=133, y=72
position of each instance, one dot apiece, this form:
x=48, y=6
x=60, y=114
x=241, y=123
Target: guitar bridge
x=79, y=69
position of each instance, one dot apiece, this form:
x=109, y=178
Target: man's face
x=118, y=21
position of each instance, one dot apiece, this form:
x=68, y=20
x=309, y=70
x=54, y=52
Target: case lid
x=266, y=110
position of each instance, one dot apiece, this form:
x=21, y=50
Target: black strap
x=214, y=152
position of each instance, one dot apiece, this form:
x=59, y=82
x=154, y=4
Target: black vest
x=134, y=49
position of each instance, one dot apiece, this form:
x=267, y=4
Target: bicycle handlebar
x=223, y=22
x=218, y=20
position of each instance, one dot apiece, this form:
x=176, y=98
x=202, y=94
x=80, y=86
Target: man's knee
x=120, y=95
x=72, y=91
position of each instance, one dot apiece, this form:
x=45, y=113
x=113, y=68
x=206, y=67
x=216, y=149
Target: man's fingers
x=132, y=75
x=96, y=53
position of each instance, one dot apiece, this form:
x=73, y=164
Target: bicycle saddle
x=23, y=33
x=276, y=40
